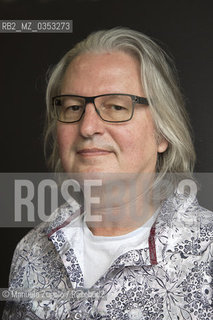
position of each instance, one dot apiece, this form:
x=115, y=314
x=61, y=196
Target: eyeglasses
x=114, y=107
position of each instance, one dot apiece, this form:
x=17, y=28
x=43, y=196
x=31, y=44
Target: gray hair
x=160, y=83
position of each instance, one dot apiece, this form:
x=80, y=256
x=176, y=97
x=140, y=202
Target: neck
x=119, y=222
x=122, y=208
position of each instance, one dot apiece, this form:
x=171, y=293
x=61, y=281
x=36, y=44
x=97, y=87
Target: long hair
x=161, y=86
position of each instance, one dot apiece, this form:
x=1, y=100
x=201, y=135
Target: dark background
x=183, y=28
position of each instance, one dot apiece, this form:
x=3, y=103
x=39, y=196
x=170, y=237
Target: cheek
x=137, y=145
x=65, y=137
x=135, y=140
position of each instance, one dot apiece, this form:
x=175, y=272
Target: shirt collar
x=176, y=219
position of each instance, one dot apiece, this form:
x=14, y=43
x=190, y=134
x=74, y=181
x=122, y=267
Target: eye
x=73, y=108
x=118, y=108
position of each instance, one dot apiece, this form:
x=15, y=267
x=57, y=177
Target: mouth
x=93, y=152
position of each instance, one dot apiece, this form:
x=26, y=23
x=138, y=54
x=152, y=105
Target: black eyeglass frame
x=135, y=100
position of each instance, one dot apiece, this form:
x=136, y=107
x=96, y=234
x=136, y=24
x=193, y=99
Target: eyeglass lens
x=110, y=107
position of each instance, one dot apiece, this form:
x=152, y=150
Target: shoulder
x=188, y=212
x=36, y=244
x=29, y=248
x=40, y=233
x=186, y=225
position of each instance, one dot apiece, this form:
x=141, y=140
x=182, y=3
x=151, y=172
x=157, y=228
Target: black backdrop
x=184, y=28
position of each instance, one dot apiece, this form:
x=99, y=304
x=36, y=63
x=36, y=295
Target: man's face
x=93, y=145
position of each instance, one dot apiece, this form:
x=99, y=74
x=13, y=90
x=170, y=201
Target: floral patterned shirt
x=169, y=278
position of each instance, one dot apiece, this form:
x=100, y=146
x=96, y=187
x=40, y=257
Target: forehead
x=100, y=73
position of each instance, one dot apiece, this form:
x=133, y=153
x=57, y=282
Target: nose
x=91, y=123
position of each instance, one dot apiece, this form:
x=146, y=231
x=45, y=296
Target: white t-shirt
x=99, y=252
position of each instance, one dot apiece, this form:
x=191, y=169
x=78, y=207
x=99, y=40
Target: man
x=115, y=114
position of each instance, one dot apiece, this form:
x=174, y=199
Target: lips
x=93, y=152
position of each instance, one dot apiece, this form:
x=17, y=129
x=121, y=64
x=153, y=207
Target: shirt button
x=135, y=314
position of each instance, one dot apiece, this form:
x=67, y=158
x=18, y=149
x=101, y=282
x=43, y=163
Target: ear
x=162, y=144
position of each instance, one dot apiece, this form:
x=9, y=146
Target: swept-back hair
x=161, y=86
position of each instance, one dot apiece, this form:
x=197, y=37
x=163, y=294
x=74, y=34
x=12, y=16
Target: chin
x=95, y=172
